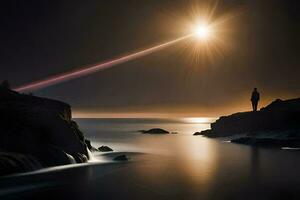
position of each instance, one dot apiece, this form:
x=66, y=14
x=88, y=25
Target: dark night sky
x=43, y=38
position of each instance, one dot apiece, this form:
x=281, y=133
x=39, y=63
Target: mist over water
x=193, y=166
x=164, y=167
x=123, y=135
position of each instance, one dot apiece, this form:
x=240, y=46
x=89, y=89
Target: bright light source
x=211, y=32
x=203, y=31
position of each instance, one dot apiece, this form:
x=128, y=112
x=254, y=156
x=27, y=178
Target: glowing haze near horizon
x=94, y=68
x=210, y=77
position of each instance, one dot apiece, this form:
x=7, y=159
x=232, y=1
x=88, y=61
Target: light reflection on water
x=199, y=120
x=123, y=135
x=195, y=165
x=172, y=166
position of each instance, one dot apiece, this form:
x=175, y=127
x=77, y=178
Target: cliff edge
x=38, y=131
x=280, y=118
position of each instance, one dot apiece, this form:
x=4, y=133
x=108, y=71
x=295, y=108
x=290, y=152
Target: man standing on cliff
x=255, y=99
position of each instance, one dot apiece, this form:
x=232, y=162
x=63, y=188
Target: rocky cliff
x=278, y=117
x=38, y=131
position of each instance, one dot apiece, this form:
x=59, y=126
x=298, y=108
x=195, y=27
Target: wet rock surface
x=105, y=149
x=38, y=129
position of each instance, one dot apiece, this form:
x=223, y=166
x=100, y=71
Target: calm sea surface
x=164, y=167
x=190, y=167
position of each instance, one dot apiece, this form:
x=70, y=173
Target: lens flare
x=94, y=68
x=203, y=31
x=213, y=34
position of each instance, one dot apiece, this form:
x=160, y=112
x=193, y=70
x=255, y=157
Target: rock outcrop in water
x=279, y=119
x=105, y=149
x=37, y=130
x=155, y=131
x=198, y=133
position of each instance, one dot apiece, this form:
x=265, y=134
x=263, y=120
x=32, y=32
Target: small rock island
x=277, y=124
x=155, y=131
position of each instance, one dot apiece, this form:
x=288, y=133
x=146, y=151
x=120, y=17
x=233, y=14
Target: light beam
x=94, y=68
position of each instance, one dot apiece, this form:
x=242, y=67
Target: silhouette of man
x=255, y=99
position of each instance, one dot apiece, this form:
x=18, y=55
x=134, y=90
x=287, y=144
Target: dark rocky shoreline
x=37, y=132
x=277, y=125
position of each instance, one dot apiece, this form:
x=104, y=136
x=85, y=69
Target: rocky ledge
x=37, y=132
x=277, y=123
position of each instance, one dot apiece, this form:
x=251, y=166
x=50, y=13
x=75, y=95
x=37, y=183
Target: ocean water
x=124, y=135
x=184, y=166
x=164, y=167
